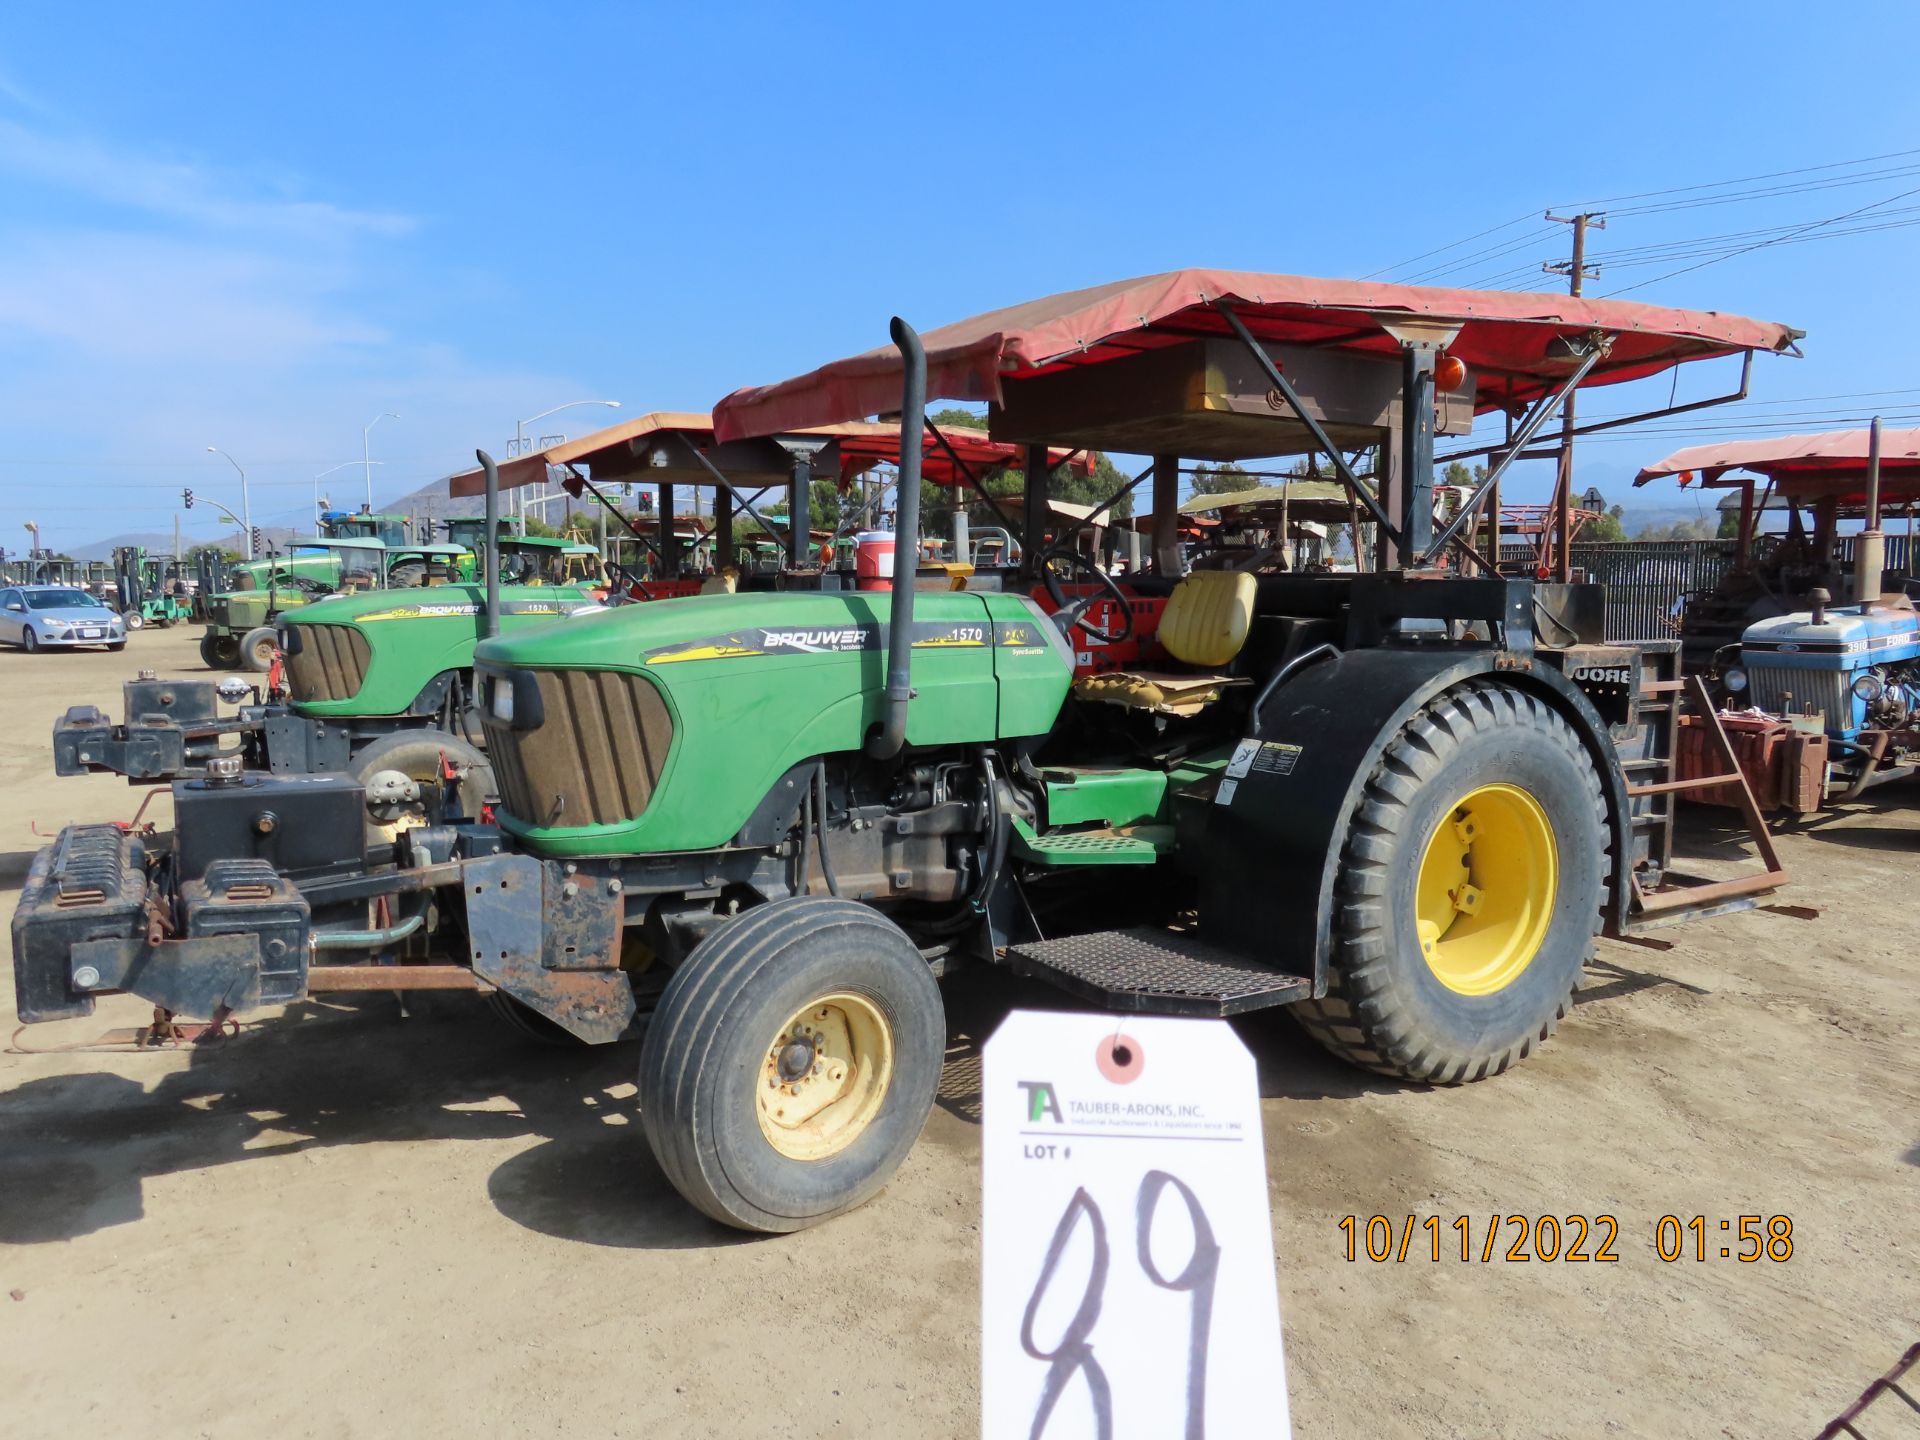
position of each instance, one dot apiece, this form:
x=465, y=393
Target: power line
x=1838, y=182
x=1490, y=230
x=1764, y=244
x=1748, y=179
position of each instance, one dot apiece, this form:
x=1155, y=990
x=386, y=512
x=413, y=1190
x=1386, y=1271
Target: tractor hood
x=1874, y=637
x=396, y=652
x=443, y=602
x=700, y=706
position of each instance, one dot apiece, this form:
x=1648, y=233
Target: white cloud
x=147, y=300
x=176, y=189
x=151, y=306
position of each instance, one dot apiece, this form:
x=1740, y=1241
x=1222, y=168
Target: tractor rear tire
x=791, y=1063
x=1471, y=881
x=220, y=652
x=258, y=648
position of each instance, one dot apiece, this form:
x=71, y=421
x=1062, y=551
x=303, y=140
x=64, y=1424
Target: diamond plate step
x=1170, y=972
x=1135, y=845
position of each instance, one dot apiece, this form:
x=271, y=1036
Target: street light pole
x=520, y=433
x=323, y=475
x=246, y=503
x=366, y=450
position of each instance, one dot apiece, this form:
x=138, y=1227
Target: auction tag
x=1127, y=1271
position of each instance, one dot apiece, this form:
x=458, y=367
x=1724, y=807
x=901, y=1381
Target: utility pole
x=1577, y=271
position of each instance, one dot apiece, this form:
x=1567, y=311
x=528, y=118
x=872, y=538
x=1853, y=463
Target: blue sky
x=260, y=226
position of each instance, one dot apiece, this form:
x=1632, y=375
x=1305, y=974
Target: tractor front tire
x=417, y=754
x=791, y=1063
x=258, y=648
x=1470, y=887
x=135, y=620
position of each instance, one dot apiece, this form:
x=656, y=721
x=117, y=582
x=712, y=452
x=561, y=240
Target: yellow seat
x=1205, y=625
x=1207, y=617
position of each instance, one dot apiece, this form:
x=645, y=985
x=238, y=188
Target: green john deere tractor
x=375, y=680
x=239, y=623
x=1400, y=802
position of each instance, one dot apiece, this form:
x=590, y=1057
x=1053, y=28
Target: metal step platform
x=1131, y=845
x=1168, y=972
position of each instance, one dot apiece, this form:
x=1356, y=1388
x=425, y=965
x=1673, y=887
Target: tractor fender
x=1272, y=842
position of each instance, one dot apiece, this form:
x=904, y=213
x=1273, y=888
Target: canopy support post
x=799, y=512
x=722, y=529
x=1166, y=516
x=669, y=539
x=1417, y=359
x=1034, y=536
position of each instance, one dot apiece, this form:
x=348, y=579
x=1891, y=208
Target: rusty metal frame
x=1681, y=899
x=1889, y=1383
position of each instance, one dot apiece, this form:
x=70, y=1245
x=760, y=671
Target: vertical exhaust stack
x=886, y=742
x=490, y=548
x=1870, y=546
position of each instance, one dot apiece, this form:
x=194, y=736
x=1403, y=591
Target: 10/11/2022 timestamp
x=1594, y=1239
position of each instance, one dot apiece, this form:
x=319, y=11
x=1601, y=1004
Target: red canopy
x=619, y=452
x=860, y=453
x=1506, y=338
x=1833, y=455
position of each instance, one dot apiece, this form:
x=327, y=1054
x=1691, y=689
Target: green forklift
x=151, y=589
x=763, y=827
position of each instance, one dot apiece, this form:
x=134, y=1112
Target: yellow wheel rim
x=1488, y=879
x=824, y=1077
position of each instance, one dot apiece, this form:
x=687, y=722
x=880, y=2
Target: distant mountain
x=160, y=542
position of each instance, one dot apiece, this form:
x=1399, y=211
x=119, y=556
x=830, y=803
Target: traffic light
x=186, y=498
x=258, y=543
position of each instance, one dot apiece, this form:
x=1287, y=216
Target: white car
x=39, y=616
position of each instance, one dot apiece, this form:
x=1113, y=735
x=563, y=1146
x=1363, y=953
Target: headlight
x=1735, y=679
x=502, y=699
x=1869, y=687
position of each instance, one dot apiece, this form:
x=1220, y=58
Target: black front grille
x=330, y=663
x=595, y=757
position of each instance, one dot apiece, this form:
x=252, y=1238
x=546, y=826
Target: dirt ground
x=354, y=1223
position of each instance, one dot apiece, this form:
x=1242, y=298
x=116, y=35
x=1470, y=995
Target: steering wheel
x=1067, y=614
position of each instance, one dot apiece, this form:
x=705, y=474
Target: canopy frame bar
x=1314, y=428
x=1545, y=406
x=1596, y=426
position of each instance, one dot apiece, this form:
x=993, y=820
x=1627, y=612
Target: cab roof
x=1513, y=343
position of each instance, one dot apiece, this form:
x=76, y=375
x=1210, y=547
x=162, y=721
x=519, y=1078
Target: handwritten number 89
x=1073, y=1354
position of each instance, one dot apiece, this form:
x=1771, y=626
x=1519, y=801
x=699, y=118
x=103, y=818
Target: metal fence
x=1644, y=578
